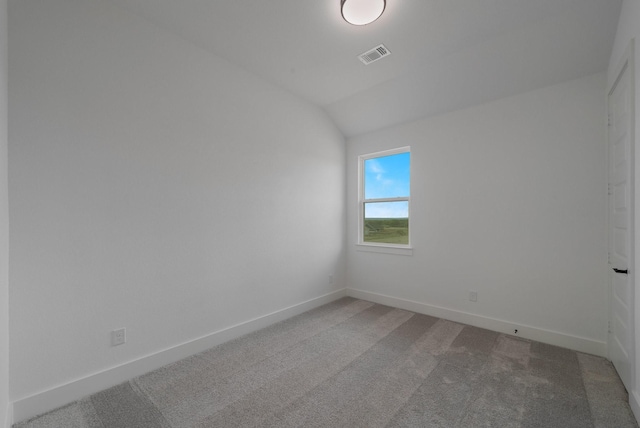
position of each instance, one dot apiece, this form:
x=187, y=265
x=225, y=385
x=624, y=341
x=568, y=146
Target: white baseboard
x=575, y=343
x=634, y=403
x=8, y=421
x=59, y=396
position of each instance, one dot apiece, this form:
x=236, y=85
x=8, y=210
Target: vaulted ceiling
x=445, y=54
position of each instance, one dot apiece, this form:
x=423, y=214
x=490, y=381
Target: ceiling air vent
x=374, y=54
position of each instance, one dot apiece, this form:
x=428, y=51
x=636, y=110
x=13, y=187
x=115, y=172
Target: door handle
x=624, y=271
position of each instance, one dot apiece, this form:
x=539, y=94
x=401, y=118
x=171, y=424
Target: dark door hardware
x=624, y=271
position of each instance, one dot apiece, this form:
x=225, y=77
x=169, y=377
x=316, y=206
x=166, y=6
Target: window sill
x=385, y=249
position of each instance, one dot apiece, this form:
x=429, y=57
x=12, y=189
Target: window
x=384, y=198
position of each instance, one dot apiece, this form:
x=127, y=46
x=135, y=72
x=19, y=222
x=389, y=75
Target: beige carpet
x=353, y=363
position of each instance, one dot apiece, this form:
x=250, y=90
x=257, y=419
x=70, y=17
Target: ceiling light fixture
x=362, y=12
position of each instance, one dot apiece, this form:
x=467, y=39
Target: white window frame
x=381, y=247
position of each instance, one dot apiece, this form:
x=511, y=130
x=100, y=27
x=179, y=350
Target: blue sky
x=387, y=177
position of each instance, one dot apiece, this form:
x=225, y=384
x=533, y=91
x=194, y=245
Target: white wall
x=628, y=29
x=153, y=187
x=509, y=200
x=5, y=411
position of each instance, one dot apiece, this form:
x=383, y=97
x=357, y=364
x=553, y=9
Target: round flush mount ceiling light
x=362, y=12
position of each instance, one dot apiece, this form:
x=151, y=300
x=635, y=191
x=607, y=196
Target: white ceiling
x=446, y=54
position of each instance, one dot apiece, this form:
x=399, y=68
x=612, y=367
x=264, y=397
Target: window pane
x=386, y=222
x=387, y=176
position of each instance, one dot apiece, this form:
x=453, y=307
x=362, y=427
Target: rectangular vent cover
x=374, y=54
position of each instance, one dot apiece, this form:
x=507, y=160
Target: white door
x=621, y=339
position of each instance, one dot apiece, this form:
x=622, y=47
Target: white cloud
x=374, y=166
x=387, y=210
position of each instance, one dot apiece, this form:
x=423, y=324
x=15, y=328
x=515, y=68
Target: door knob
x=624, y=271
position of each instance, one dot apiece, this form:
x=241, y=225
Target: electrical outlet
x=118, y=337
x=473, y=296
x=330, y=279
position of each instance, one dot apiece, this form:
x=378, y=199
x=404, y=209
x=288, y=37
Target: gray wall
x=154, y=187
x=508, y=200
x=5, y=412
